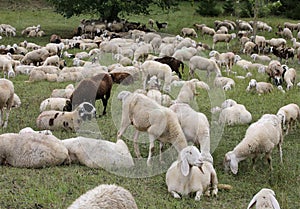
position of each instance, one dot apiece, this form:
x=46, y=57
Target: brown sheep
x=173, y=63
x=90, y=90
x=121, y=78
x=55, y=39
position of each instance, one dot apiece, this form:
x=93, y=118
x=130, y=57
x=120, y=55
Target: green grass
x=58, y=187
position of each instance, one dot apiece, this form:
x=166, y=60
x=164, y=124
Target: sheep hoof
x=175, y=195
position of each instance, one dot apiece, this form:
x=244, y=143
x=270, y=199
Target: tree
x=108, y=9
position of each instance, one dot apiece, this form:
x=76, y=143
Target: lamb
x=191, y=173
x=226, y=58
x=189, y=32
x=185, y=54
x=260, y=87
x=6, y=100
x=70, y=76
x=35, y=57
x=30, y=130
x=263, y=58
x=189, y=90
x=142, y=52
x=223, y=38
x=202, y=63
x=260, y=138
x=53, y=104
x=24, y=69
x=105, y=196
x=147, y=115
x=208, y=31
x=275, y=71
x=224, y=83
x=160, y=70
x=195, y=126
x=52, y=60
x=235, y=114
x=289, y=115
x=99, y=153
x=32, y=150
x=6, y=64
x=69, y=121
x=289, y=76
x=17, y=101
x=264, y=199
x=249, y=47
x=173, y=63
x=38, y=75
x=63, y=93
x=90, y=90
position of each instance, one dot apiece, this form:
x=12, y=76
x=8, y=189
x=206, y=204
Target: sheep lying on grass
x=289, y=115
x=58, y=120
x=6, y=99
x=147, y=115
x=30, y=130
x=260, y=138
x=191, y=173
x=260, y=87
x=98, y=153
x=53, y=104
x=224, y=83
x=32, y=150
x=264, y=199
x=105, y=196
x=63, y=93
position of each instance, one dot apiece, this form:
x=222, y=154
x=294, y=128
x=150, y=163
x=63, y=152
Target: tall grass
x=57, y=187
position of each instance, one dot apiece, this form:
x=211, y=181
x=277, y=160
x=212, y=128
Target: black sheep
x=90, y=90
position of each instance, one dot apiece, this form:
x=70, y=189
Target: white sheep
x=105, y=196
x=224, y=83
x=24, y=69
x=32, y=150
x=235, y=114
x=17, y=101
x=30, y=130
x=146, y=115
x=160, y=70
x=262, y=58
x=249, y=47
x=6, y=100
x=98, y=153
x=289, y=115
x=223, y=38
x=264, y=199
x=195, y=126
x=189, y=32
x=226, y=58
x=142, y=52
x=63, y=93
x=289, y=76
x=52, y=60
x=70, y=121
x=202, y=63
x=191, y=173
x=260, y=87
x=261, y=137
x=189, y=90
x=185, y=54
x=53, y=104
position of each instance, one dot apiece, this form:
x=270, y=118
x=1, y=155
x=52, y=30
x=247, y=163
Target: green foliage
x=229, y=7
x=209, y=8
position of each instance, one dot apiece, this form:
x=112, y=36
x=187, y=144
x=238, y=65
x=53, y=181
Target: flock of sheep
x=150, y=109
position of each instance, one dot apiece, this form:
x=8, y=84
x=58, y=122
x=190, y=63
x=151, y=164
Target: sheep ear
x=185, y=168
x=234, y=165
x=274, y=202
x=252, y=202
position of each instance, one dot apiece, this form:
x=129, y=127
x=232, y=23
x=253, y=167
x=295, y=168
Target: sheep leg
x=254, y=159
x=269, y=159
x=151, y=149
x=1, y=117
x=198, y=195
x=175, y=195
x=136, y=146
x=161, y=144
x=280, y=152
x=6, y=120
x=104, y=102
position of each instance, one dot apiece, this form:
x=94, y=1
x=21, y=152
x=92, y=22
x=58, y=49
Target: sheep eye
x=190, y=152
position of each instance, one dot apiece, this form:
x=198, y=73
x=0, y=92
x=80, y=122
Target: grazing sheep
x=70, y=121
x=223, y=38
x=224, y=83
x=174, y=64
x=189, y=90
x=289, y=76
x=90, y=90
x=264, y=199
x=185, y=54
x=53, y=104
x=98, y=153
x=146, y=115
x=32, y=150
x=285, y=33
x=260, y=138
x=202, y=63
x=35, y=57
x=195, y=126
x=161, y=71
x=235, y=114
x=17, y=101
x=6, y=100
x=262, y=58
x=275, y=71
x=189, y=32
x=260, y=87
x=226, y=59
x=30, y=130
x=289, y=115
x=105, y=196
x=191, y=173
x=249, y=47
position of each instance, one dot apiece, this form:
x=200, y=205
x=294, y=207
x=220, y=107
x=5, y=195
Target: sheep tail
x=225, y=186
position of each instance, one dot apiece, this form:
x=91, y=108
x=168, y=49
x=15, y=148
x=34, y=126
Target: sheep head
x=230, y=162
x=265, y=195
x=86, y=111
x=190, y=156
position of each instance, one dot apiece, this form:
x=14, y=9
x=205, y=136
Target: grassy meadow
x=57, y=187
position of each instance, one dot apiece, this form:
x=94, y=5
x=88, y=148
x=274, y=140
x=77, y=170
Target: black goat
x=283, y=52
x=161, y=25
x=173, y=63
